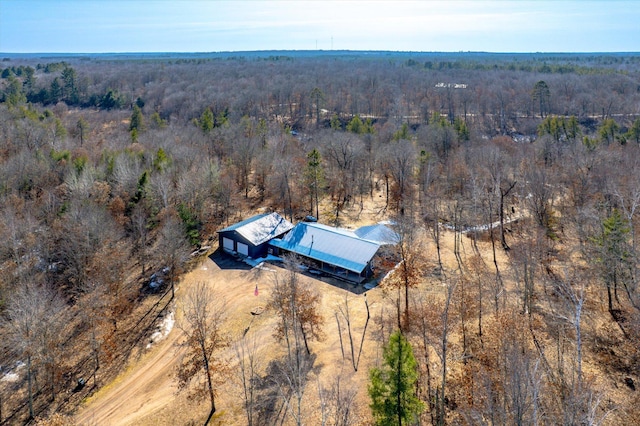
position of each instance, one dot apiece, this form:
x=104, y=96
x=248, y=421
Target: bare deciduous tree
x=92, y=306
x=400, y=161
x=297, y=307
x=203, y=314
x=346, y=314
x=173, y=248
x=342, y=152
x=249, y=364
x=35, y=329
x=410, y=269
x=299, y=320
x=337, y=402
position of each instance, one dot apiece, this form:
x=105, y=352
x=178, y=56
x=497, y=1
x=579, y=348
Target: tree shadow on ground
x=275, y=389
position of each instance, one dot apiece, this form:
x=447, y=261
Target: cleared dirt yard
x=146, y=393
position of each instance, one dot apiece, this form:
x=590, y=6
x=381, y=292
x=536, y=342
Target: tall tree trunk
x=399, y=383
x=480, y=311
x=29, y=386
x=386, y=186
x=609, y=298
x=205, y=358
x=457, y=235
x=445, y=332
x=495, y=261
x=317, y=203
x=436, y=239
x=503, y=194
x=406, y=306
x=340, y=334
x=405, y=268
x=364, y=332
x=463, y=322
x=398, y=310
x=304, y=338
x=53, y=382
x=96, y=354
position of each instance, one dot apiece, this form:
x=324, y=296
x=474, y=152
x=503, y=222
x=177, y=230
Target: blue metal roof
x=334, y=246
x=261, y=228
x=379, y=233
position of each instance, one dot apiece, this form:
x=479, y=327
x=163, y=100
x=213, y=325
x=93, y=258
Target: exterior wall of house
x=250, y=236
x=238, y=240
x=258, y=251
x=328, y=268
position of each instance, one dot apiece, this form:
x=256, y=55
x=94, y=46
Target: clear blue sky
x=96, y=26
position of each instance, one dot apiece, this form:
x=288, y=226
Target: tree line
x=113, y=170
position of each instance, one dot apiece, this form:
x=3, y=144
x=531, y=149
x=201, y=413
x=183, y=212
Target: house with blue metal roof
x=334, y=251
x=251, y=237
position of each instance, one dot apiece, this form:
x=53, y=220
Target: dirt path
x=144, y=387
x=146, y=393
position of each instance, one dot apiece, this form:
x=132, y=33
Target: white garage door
x=227, y=243
x=243, y=249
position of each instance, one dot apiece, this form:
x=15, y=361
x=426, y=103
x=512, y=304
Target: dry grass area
x=146, y=393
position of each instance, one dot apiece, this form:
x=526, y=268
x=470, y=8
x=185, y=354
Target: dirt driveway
x=148, y=386
x=146, y=393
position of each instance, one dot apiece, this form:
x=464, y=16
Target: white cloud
x=188, y=25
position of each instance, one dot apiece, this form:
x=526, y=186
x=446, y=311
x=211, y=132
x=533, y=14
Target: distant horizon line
x=425, y=52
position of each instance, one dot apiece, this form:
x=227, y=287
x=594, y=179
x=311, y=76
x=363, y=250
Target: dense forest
x=116, y=167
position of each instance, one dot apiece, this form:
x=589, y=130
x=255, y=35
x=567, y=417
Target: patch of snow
x=262, y=267
x=163, y=330
x=259, y=262
x=12, y=376
x=202, y=250
x=464, y=229
x=393, y=270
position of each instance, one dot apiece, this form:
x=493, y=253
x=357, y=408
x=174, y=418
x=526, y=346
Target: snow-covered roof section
x=379, y=233
x=323, y=243
x=261, y=228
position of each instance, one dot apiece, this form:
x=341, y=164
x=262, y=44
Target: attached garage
x=228, y=244
x=243, y=249
x=250, y=237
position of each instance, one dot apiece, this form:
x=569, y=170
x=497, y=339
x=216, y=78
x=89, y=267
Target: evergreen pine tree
x=392, y=387
x=137, y=121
